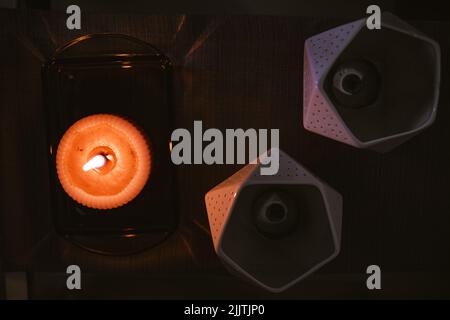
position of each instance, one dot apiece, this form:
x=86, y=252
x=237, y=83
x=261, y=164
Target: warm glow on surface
x=103, y=161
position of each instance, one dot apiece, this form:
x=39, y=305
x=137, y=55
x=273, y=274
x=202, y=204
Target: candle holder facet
x=117, y=75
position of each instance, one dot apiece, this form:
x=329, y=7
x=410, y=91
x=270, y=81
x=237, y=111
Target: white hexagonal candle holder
x=274, y=230
x=370, y=88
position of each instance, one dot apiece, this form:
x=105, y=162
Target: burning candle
x=103, y=161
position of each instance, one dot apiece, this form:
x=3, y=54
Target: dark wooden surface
x=232, y=72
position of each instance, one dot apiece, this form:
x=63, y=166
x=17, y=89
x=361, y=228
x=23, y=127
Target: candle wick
x=96, y=162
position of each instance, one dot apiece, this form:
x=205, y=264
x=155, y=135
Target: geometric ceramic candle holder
x=274, y=230
x=119, y=88
x=370, y=88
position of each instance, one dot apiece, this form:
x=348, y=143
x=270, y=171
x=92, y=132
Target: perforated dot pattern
x=220, y=199
x=218, y=205
x=321, y=52
x=289, y=171
x=321, y=118
x=324, y=48
x=239, y=177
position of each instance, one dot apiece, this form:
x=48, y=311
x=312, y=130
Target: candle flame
x=96, y=162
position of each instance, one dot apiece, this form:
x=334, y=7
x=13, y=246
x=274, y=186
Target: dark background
x=231, y=71
x=431, y=10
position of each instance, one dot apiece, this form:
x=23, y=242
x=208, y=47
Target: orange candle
x=103, y=161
